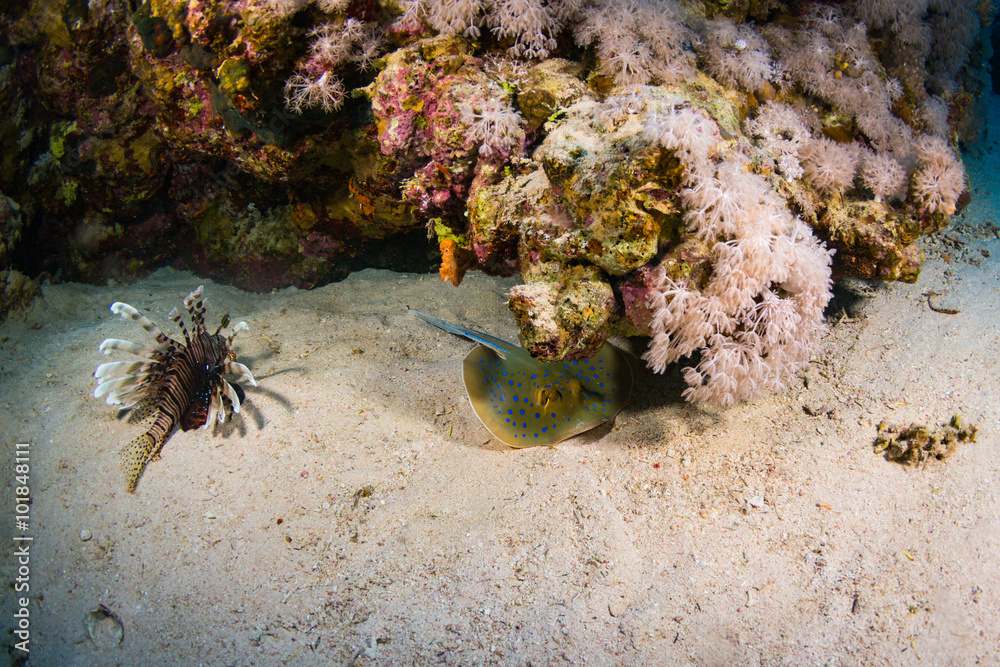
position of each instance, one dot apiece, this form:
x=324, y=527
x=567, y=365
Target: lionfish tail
x=136, y=454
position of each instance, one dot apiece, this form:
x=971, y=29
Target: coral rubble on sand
x=681, y=170
x=915, y=444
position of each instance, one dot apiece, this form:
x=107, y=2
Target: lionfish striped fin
x=175, y=317
x=236, y=368
x=125, y=310
x=216, y=411
x=234, y=400
x=125, y=382
x=120, y=368
x=239, y=326
x=125, y=399
x=129, y=395
x=128, y=346
x=220, y=405
x=195, y=304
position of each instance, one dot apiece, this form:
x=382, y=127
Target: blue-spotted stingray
x=525, y=402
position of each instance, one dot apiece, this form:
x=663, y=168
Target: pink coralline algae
x=319, y=246
x=427, y=102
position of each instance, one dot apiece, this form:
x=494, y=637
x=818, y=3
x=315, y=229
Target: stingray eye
x=546, y=396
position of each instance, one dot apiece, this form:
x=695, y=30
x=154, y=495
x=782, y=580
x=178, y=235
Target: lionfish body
x=177, y=384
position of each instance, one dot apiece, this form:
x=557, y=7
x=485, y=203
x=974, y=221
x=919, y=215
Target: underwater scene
x=500, y=332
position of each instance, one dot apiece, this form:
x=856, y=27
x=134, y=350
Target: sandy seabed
x=357, y=512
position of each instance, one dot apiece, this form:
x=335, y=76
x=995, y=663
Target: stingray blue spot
x=553, y=415
x=537, y=415
x=593, y=368
x=522, y=411
x=515, y=399
x=510, y=412
x=524, y=426
x=544, y=429
x=534, y=376
x=518, y=384
x=536, y=435
x=575, y=363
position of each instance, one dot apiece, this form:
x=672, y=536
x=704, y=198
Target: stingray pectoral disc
x=524, y=402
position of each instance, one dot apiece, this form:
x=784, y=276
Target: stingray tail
x=496, y=344
x=135, y=456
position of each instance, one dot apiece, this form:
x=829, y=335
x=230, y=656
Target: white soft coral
x=496, y=126
x=334, y=46
x=883, y=175
x=758, y=318
x=828, y=165
x=940, y=179
x=531, y=24
x=638, y=42
x=303, y=91
x=736, y=55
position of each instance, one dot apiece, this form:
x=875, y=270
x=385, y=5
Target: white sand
x=755, y=535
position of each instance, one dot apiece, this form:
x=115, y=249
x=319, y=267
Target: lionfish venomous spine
x=177, y=384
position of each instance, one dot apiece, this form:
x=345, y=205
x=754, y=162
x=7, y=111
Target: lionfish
x=177, y=384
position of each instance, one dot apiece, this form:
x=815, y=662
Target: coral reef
x=10, y=227
x=16, y=292
x=676, y=170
